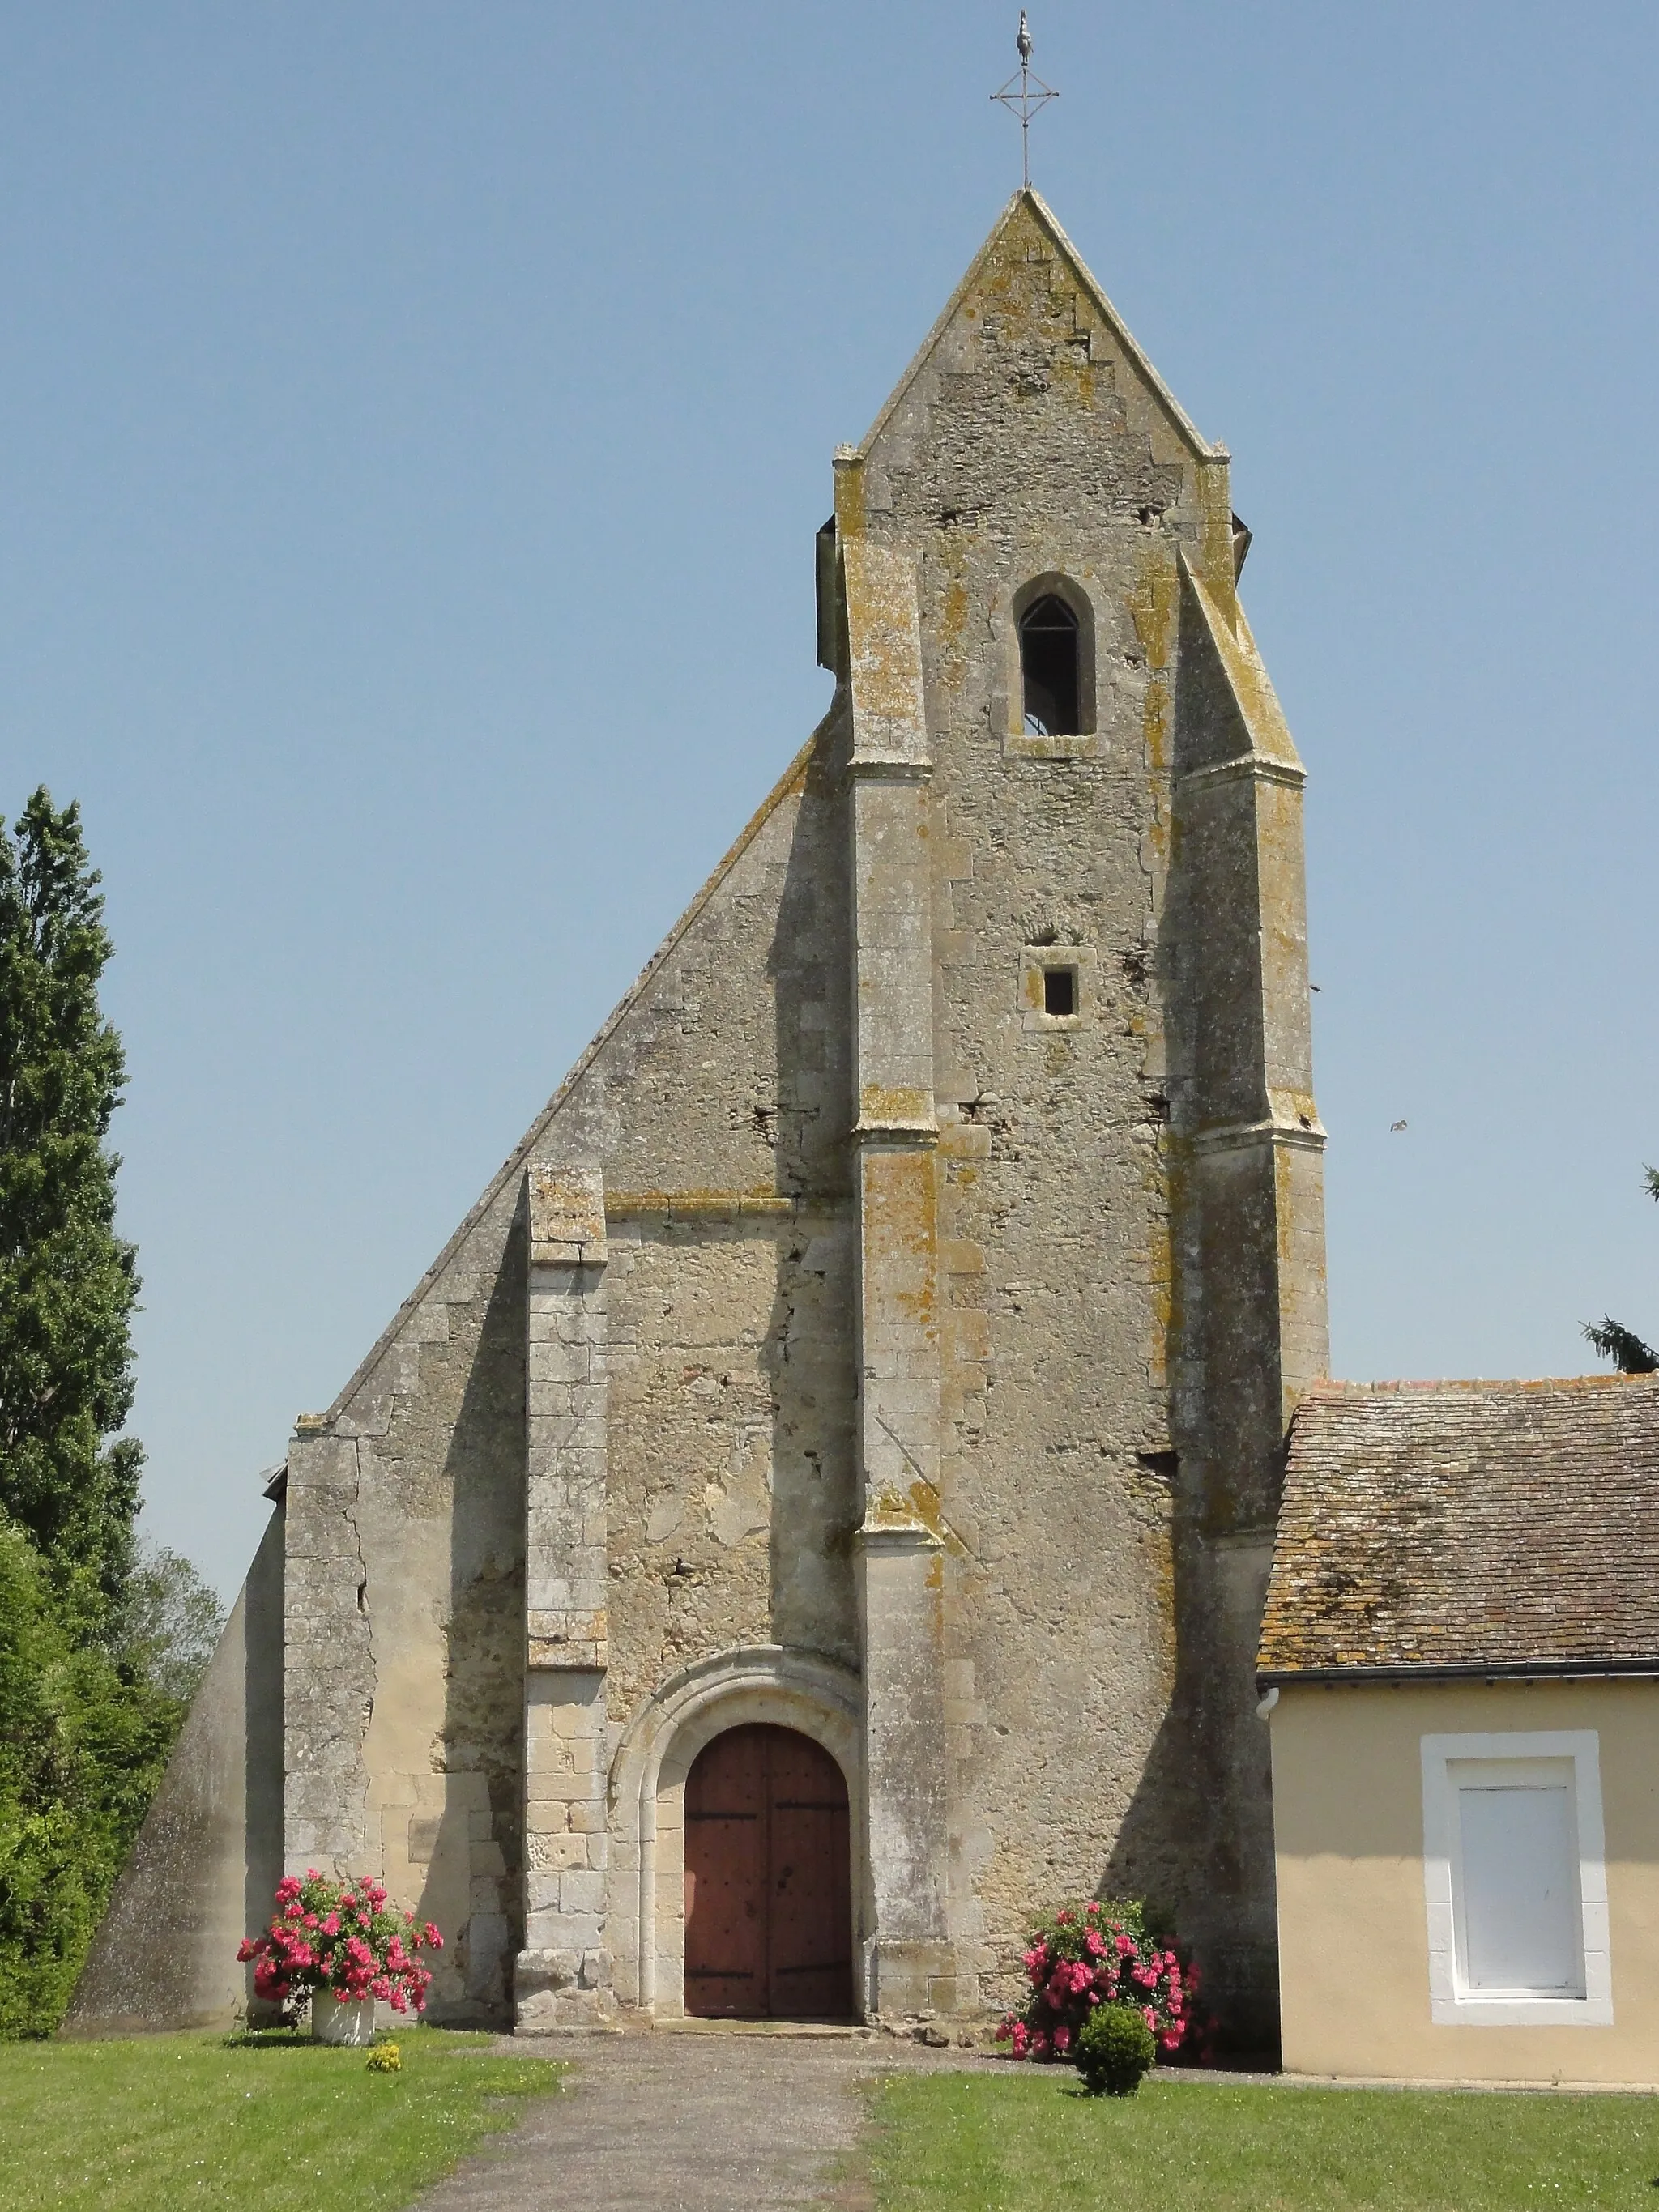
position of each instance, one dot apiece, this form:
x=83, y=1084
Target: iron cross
x=1023, y=95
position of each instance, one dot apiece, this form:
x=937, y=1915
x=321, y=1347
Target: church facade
x=816, y=1512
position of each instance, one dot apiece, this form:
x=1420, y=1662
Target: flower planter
x=326, y=1936
x=334, y=2021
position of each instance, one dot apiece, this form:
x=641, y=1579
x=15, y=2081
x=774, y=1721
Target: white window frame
x=1451, y=2004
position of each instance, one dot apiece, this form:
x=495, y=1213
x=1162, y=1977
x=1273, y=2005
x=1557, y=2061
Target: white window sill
x=1522, y=2012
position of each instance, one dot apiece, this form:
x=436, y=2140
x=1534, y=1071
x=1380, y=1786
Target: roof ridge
x=1333, y=1387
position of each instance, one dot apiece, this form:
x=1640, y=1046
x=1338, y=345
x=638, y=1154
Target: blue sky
x=414, y=420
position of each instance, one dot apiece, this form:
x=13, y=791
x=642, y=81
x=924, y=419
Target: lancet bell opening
x=1051, y=702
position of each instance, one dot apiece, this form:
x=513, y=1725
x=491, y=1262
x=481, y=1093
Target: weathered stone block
x=596, y=1970
x=551, y=1854
x=536, y=1972
x=580, y=1892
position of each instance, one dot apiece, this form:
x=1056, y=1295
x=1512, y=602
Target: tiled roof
x=1468, y=1525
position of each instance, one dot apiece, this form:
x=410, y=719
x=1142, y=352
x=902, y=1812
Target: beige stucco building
x=1461, y=1653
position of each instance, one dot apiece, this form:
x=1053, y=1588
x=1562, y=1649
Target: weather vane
x=1023, y=95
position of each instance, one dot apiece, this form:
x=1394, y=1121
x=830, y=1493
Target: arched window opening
x=1048, y=669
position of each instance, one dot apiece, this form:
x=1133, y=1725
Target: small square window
x=1060, y=992
x=1057, y=985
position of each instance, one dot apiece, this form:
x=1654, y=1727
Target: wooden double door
x=768, y=1918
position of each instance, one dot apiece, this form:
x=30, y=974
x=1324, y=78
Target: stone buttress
x=562, y=1976
x=1247, y=1154
x=910, y=1967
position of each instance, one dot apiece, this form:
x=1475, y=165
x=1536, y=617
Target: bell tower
x=1088, y=1164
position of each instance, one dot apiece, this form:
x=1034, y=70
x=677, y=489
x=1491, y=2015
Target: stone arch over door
x=765, y=1683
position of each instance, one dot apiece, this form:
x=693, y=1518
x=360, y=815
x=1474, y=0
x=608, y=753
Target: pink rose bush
x=343, y=1937
x=1091, y=1954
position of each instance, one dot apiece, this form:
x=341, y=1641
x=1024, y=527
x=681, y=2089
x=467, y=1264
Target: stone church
x=816, y=1511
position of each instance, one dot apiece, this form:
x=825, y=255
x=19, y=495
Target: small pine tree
x=1629, y=1353
x=69, y=1285
x=174, y=1621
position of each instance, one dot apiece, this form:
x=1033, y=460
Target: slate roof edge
x=1328, y=1387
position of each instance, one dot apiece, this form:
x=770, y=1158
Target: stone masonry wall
x=731, y=1443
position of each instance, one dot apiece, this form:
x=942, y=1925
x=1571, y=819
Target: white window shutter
x=1520, y=1891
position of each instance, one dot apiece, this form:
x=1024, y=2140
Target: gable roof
x=1467, y=1528
x=1032, y=202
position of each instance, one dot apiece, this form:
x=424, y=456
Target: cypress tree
x=84, y=1730
x=69, y=1285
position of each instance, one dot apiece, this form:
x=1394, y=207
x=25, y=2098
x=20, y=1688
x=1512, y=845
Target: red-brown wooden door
x=769, y=1920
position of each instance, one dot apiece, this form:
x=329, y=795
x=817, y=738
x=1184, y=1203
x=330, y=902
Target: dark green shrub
x=1114, y=2050
x=83, y=1747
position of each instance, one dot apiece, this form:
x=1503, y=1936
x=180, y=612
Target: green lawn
x=268, y=2124
x=1030, y=2141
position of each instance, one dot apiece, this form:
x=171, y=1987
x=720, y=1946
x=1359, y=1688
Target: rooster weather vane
x=1023, y=95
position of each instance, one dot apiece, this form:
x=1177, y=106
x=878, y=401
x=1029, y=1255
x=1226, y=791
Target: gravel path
x=678, y=2122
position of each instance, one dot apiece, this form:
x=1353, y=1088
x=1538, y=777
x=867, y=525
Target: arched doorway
x=768, y=1921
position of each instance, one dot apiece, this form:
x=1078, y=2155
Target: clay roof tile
x=1468, y=1525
